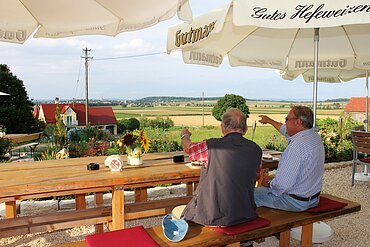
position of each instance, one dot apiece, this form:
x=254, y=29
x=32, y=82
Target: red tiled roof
x=97, y=115
x=357, y=104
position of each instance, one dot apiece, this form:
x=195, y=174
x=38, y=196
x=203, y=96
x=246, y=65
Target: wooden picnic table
x=28, y=180
x=20, y=138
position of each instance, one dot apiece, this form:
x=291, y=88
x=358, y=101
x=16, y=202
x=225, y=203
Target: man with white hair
x=224, y=196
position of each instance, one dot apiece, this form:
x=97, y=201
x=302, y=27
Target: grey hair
x=305, y=114
x=234, y=119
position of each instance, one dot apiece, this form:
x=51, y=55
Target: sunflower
x=145, y=143
x=136, y=139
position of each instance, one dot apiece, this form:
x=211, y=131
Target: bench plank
x=281, y=222
x=99, y=215
x=25, y=145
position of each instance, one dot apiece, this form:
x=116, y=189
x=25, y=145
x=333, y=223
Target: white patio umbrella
x=269, y=34
x=285, y=36
x=4, y=94
x=65, y=18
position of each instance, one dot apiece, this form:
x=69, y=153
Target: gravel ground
x=349, y=230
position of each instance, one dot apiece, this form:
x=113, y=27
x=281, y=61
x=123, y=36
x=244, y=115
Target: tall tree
x=15, y=109
x=229, y=100
x=60, y=128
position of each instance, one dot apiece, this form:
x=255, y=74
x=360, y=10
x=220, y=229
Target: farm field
x=211, y=121
x=184, y=114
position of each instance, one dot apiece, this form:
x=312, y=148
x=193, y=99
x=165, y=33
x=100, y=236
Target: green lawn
x=263, y=134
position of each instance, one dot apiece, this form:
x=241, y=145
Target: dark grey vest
x=224, y=196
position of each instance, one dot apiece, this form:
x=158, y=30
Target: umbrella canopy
x=65, y=18
x=324, y=75
x=3, y=94
x=269, y=34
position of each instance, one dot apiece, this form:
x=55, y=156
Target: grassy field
x=263, y=134
x=203, y=125
x=197, y=116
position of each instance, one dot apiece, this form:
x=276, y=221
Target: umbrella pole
x=364, y=176
x=327, y=230
x=315, y=71
x=367, y=110
x=366, y=104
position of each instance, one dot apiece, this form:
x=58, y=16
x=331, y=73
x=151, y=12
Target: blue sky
x=53, y=68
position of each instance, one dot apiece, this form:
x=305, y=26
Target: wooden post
x=141, y=195
x=80, y=201
x=189, y=188
x=118, y=208
x=99, y=228
x=10, y=209
x=306, y=238
x=284, y=239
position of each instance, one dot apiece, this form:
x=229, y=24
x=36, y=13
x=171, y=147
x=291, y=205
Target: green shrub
x=336, y=136
x=158, y=122
x=164, y=145
x=49, y=154
x=277, y=142
x=5, y=146
x=125, y=125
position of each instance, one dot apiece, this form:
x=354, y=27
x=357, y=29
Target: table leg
x=306, y=238
x=141, y=195
x=189, y=188
x=99, y=228
x=284, y=239
x=10, y=209
x=80, y=201
x=118, y=208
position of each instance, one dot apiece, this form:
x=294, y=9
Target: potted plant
x=133, y=145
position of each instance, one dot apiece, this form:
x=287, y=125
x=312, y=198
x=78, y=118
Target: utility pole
x=87, y=84
x=203, y=107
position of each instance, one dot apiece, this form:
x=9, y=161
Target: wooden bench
x=99, y=215
x=281, y=223
x=31, y=145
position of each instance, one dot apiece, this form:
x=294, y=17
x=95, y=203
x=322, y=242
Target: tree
x=60, y=129
x=229, y=100
x=15, y=109
x=130, y=124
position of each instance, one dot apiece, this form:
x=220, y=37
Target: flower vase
x=135, y=157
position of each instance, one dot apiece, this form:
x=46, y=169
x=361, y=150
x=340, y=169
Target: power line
x=78, y=78
x=131, y=56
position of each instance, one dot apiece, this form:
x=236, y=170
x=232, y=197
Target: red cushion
x=135, y=236
x=243, y=227
x=366, y=160
x=326, y=205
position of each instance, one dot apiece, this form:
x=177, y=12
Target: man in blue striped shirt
x=298, y=180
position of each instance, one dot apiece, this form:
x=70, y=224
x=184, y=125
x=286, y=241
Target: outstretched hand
x=264, y=119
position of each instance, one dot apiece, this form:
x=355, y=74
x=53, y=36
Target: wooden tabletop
x=71, y=174
x=58, y=176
